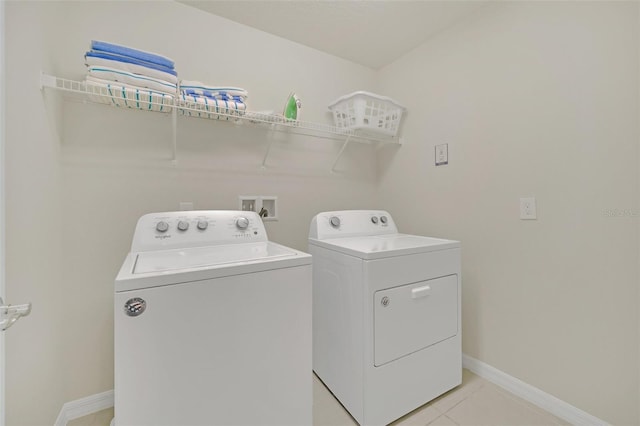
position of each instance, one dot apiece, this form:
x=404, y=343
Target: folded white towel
x=131, y=68
x=203, y=107
x=200, y=88
x=124, y=95
x=112, y=74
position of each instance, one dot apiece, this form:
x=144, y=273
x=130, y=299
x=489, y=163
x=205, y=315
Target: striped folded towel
x=124, y=95
x=199, y=88
x=204, y=107
x=101, y=46
x=223, y=96
x=138, y=80
x=130, y=64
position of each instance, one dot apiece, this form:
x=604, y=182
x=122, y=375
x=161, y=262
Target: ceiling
x=371, y=33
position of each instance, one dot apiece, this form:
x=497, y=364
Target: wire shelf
x=147, y=100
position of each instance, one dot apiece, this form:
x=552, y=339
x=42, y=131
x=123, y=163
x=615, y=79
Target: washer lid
x=381, y=246
x=174, y=266
x=214, y=256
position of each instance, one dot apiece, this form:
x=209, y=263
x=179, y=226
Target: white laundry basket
x=367, y=112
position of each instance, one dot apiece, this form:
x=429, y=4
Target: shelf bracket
x=266, y=154
x=346, y=142
x=47, y=80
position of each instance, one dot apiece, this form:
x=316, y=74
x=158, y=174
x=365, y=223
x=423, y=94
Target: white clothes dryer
x=212, y=324
x=386, y=314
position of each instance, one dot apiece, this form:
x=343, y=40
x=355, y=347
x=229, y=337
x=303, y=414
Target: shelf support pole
x=174, y=132
x=335, y=163
x=266, y=154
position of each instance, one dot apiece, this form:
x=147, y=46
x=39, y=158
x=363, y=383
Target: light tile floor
x=475, y=402
x=101, y=418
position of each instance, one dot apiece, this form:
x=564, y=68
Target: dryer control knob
x=242, y=222
x=374, y=219
x=162, y=226
x=334, y=221
x=383, y=219
x=202, y=225
x=183, y=225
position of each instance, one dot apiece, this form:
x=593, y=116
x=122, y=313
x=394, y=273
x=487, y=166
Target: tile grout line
x=512, y=398
x=451, y=420
x=441, y=416
x=464, y=398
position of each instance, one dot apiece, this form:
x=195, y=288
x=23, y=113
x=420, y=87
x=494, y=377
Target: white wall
x=34, y=350
x=534, y=99
x=73, y=202
x=2, y=208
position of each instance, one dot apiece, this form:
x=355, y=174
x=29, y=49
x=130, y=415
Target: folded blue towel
x=130, y=60
x=133, y=53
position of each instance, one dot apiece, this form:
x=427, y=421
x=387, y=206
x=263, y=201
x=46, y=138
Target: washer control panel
x=161, y=231
x=351, y=223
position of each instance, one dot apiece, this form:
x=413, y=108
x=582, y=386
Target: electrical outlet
x=442, y=154
x=528, y=208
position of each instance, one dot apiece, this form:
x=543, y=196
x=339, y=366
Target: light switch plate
x=528, y=208
x=442, y=154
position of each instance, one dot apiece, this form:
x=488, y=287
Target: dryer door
x=414, y=316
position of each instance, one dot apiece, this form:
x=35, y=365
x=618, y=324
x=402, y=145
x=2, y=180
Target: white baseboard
x=557, y=407
x=547, y=402
x=84, y=406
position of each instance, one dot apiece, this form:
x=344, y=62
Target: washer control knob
x=183, y=225
x=383, y=219
x=242, y=222
x=162, y=226
x=374, y=219
x=202, y=225
x=334, y=221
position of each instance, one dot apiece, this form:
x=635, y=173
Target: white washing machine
x=386, y=314
x=212, y=324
